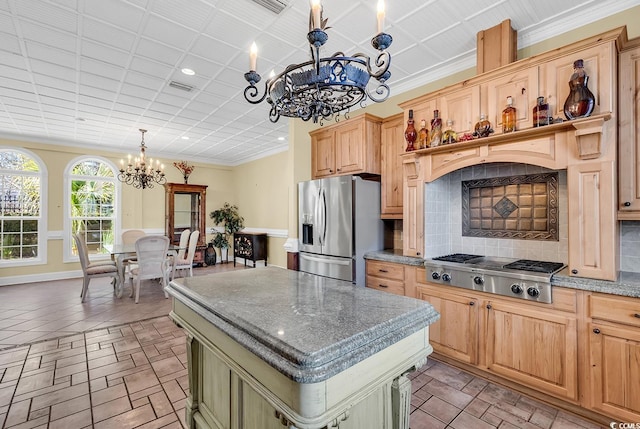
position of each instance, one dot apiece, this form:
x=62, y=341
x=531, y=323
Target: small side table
x=250, y=245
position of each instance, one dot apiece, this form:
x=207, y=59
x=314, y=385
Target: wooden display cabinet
x=185, y=208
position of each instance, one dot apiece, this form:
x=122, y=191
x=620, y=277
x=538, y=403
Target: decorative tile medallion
x=523, y=207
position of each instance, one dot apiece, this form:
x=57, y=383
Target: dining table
x=120, y=252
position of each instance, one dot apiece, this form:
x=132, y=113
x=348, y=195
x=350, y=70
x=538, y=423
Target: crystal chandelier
x=140, y=174
x=324, y=87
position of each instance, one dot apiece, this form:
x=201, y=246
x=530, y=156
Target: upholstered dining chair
x=153, y=262
x=129, y=237
x=93, y=270
x=186, y=262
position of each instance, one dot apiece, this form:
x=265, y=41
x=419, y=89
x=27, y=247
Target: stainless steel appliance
x=339, y=220
x=518, y=278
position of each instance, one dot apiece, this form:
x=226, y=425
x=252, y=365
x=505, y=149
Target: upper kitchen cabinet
x=629, y=135
x=347, y=147
x=393, y=145
x=522, y=86
x=599, y=65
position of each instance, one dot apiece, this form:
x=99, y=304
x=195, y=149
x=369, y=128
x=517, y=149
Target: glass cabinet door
x=185, y=208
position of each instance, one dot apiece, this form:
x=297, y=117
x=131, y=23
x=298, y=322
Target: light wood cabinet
x=522, y=86
x=536, y=348
x=413, y=213
x=614, y=356
x=462, y=107
x=535, y=345
x=392, y=146
x=593, y=235
x=185, y=208
x=348, y=147
x=456, y=333
x=629, y=136
x=385, y=276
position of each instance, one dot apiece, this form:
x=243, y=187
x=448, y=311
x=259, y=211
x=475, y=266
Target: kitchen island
x=273, y=348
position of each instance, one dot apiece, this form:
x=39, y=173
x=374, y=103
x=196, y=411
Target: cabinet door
x=533, y=347
x=413, y=211
x=599, y=64
x=349, y=146
x=615, y=371
x=629, y=140
x=462, y=107
x=323, y=159
x=592, y=229
x=456, y=333
x=522, y=86
x=391, y=180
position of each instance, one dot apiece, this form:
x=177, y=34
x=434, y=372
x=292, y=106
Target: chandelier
x=324, y=87
x=140, y=174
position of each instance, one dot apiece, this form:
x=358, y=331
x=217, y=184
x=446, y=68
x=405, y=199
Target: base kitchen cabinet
x=385, y=276
x=614, y=356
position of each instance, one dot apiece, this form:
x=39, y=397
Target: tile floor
x=109, y=363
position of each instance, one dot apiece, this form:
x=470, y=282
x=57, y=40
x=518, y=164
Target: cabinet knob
x=627, y=204
x=383, y=271
x=330, y=171
x=574, y=271
x=418, y=253
x=337, y=169
x=383, y=286
x=637, y=315
x=489, y=307
x=472, y=303
x=596, y=331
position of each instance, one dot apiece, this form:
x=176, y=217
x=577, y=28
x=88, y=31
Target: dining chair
x=94, y=270
x=153, y=262
x=129, y=237
x=186, y=262
x=184, y=241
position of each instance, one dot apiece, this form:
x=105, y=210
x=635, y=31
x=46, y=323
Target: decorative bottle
x=540, y=113
x=509, y=117
x=449, y=136
x=436, y=130
x=483, y=127
x=410, y=133
x=580, y=101
x=423, y=135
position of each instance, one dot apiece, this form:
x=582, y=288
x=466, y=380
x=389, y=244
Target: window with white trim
x=22, y=177
x=92, y=193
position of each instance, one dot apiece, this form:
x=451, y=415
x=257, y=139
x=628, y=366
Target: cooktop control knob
x=435, y=276
x=478, y=280
x=533, y=292
x=446, y=277
x=516, y=288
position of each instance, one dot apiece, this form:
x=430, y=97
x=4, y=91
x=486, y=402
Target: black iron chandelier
x=139, y=173
x=322, y=88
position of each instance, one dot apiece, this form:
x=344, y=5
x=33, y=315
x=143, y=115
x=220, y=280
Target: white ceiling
x=90, y=73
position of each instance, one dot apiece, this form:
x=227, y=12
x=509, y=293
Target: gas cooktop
x=518, y=278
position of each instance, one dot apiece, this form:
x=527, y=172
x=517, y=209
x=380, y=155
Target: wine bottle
x=410, y=133
x=509, y=117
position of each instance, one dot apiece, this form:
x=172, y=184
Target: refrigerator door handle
x=323, y=211
x=324, y=260
x=317, y=215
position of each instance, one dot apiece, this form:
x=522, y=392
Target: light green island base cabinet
x=238, y=381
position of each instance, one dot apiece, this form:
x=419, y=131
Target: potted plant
x=229, y=217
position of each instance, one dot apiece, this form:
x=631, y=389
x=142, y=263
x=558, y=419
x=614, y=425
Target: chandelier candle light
x=322, y=88
x=140, y=174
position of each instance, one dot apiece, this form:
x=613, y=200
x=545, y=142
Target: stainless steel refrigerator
x=339, y=221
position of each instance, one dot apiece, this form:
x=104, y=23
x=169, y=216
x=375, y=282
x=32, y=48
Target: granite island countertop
x=627, y=284
x=307, y=327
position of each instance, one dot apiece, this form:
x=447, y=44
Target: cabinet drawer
x=388, y=270
x=386, y=285
x=615, y=309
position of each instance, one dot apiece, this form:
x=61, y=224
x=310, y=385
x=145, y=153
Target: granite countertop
x=307, y=327
x=627, y=284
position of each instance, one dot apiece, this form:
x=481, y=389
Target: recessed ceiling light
x=281, y=138
x=185, y=137
x=188, y=72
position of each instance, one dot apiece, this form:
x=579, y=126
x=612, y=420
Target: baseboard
x=44, y=277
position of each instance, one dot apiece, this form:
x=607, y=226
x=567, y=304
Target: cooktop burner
x=457, y=257
x=536, y=266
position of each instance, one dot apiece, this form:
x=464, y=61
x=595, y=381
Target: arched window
x=22, y=208
x=92, y=196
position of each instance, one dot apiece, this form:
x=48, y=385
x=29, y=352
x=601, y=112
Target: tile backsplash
x=443, y=217
x=630, y=246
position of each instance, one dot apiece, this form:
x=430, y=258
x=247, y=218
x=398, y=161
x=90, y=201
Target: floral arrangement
x=185, y=169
